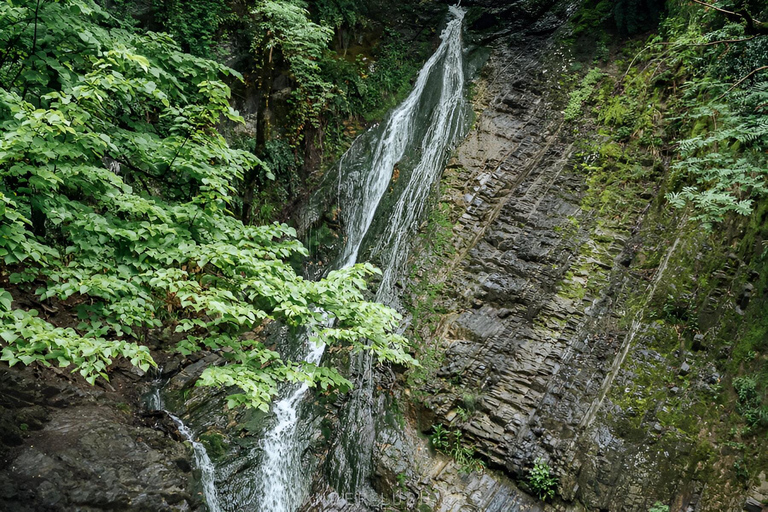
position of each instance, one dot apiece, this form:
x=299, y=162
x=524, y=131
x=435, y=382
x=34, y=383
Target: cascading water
x=204, y=464
x=428, y=121
x=415, y=139
x=281, y=472
x=202, y=461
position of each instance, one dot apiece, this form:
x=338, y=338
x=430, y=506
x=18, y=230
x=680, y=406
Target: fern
x=727, y=162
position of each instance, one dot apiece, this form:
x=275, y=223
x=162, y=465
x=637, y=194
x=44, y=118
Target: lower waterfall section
x=203, y=462
x=281, y=476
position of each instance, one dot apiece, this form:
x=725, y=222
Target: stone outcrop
x=66, y=446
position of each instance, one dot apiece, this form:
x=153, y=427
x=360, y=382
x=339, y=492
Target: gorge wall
x=547, y=300
x=561, y=310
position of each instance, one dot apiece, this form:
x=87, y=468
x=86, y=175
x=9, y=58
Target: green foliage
x=749, y=403
x=722, y=150
x=470, y=402
x=215, y=445
x=582, y=94
x=721, y=161
x=193, y=25
x=659, y=507
x=338, y=13
x=727, y=161
x=367, y=85
x=401, y=479
x=590, y=16
x=115, y=190
x=30, y=339
x=277, y=182
x=380, y=84
x=741, y=469
x=439, y=437
x=541, y=480
x=451, y=443
x=628, y=17
x=285, y=27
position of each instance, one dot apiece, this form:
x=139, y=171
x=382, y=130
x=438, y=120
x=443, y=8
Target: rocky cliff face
x=66, y=446
x=554, y=323
x=547, y=312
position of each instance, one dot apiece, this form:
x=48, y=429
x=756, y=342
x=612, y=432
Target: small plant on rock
x=463, y=414
x=451, y=443
x=439, y=437
x=541, y=480
x=659, y=507
x=470, y=402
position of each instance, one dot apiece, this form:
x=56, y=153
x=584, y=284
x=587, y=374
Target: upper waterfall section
x=404, y=154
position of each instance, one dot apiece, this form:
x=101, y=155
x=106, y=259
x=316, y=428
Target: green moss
x=214, y=444
x=582, y=94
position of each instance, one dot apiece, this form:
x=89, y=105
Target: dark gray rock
x=752, y=505
x=85, y=451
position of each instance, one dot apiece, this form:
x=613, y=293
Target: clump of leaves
x=722, y=154
x=115, y=198
x=451, y=443
x=582, y=94
x=659, y=507
x=727, y=160
x=749, y=404
x=285, y=27
x=439, y=437
x=541, y=480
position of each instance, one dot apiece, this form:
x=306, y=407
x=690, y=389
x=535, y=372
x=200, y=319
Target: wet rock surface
x=542, y=345
x=67, y=447
x=509, y=340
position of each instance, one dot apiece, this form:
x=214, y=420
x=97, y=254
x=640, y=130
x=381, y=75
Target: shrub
x=541, y=480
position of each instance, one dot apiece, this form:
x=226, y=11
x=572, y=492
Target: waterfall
x=367, y=167
x=281, y=472
x=415, y=139
x=204, y=464
x=202, y=461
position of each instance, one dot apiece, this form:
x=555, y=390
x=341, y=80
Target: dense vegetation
x=702, y=79
x=678, y=115
x=315, y=74
x=116, y=200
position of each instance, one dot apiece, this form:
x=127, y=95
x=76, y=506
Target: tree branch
x=754, y=26
x=34, y=46
x=722, y=41
x=742, y=79
x=731, y=13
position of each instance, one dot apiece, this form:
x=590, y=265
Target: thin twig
x=178, y=151
x=712, y=43
x=741, y=80
x=750, y=20
x=618, y=84
x=715, y=7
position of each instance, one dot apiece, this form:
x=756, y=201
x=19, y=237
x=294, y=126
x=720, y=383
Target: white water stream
x=365, y=179
x=427, y=123
x=415, y=139
x=202, y=461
